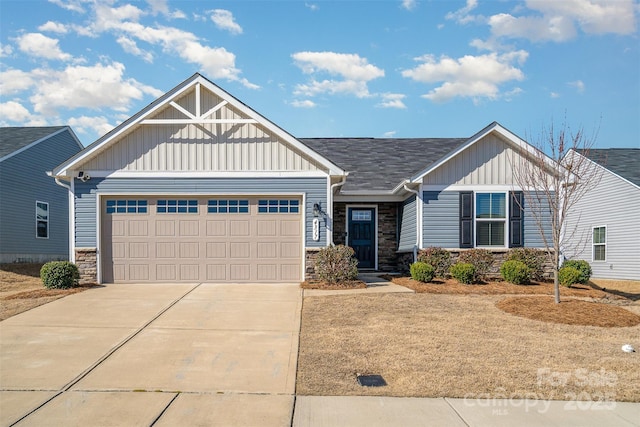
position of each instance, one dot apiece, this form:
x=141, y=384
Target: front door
x=362, y=235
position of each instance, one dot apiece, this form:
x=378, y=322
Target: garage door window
x=126, y=206
x=177, y=206
x=228, y=206
x=278, y=206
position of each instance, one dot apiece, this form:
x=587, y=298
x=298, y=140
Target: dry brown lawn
x=21, y=289
x=435, y=345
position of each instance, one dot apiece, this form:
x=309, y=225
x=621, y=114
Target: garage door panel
x=165, y=228
x=234, y=242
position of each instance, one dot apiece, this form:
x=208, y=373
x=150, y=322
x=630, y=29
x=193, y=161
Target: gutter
x=330, y=207
x=71, y=236
x=417, y=245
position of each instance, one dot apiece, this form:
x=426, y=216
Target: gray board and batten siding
x=23, y=181
x=441, y=221
x=314, y=189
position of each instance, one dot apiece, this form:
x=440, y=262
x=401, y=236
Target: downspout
x=71, y=214
x=417, y=245
x=330, y=207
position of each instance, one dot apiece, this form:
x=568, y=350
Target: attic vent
x=371, y=380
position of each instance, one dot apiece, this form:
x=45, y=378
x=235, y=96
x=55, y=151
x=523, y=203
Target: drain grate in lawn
x=371, y=380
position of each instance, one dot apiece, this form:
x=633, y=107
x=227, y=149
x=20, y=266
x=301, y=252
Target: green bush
x=422, y=272
x=336, y=264
x=482, y=260
x=463, y=272
x=582, y=266
x=515, y=272
x=532, y=258
x=439, y=258
x=59, y=275
x=569, y=276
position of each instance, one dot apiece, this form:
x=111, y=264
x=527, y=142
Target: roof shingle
x=624, y=162
x=14, y=138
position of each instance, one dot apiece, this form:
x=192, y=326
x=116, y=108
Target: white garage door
x=201, y=239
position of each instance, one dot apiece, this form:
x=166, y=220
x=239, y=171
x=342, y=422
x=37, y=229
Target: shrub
x=422, y=272
x=463, y=272
x=59, y=275
x=583, y=268
x=439, y=258
x=515, y=272
x=336, y=264
x=482, y=260
x=569, y=276
x=532, y=258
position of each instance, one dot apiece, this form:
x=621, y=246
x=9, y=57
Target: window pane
x=490, y=233
x=42, y=211
x=483, y=205
x=42, y=229
x=599, y=235
x=599, y=253
x=498, y=205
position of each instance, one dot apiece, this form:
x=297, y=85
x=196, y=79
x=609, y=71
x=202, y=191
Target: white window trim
x=47, y=220
x=593, y=244
x=505, y=219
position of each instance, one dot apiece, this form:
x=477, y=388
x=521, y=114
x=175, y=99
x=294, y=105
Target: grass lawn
x=21, y=289
x=462, y=344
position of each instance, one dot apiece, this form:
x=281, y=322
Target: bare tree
x=553, y=178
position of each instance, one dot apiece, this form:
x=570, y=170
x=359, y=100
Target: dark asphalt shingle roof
x=15, y=138
x=624, y=162
x=380, y=164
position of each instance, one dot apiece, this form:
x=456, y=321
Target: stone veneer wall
x=87, y=262
x=310, y=263
x=405, y=260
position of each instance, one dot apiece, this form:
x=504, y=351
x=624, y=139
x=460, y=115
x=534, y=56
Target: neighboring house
x=199, y=187
x=34, y=210
x=604, y=225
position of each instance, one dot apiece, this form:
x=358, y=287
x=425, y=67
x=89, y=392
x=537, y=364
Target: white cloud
x=389, y=134
x=14, y=81
x=312, y=6
x=224, y=21
x=131, y=47
x=162, y=7
x=557, y=21
x=5, y=50
x=578, y=85
x=355, y=72
x=534, y=28
x=95, y=87
x=13, y=111
x=392, y=100
x=463, y=15
x=53, y=27
x=468, y=77
x=39, y=45
x=307, y=103
x=72, y=5
x=554, y=95
x=409, y=4
x=86, y=125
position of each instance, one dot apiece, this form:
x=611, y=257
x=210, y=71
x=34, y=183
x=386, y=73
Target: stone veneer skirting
x=87, y=262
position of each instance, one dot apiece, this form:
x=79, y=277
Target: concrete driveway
x=162, y=355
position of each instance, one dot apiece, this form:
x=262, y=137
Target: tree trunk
x=556, y=285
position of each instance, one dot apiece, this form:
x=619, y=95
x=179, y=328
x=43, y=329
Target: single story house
x=604, y=224
x=34, y=211
x=199, y=187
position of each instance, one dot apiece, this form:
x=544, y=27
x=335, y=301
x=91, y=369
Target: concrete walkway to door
x=161, y=355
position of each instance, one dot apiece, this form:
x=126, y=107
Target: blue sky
x=331, y=68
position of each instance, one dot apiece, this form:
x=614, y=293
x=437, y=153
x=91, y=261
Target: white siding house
x=604, y=226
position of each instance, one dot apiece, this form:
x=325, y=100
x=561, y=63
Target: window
x=491, y=211
x=126, y=206
x=42, y=220
x=228, y=206
x=278, y=206
x=363, y=215
x=599, y=243
x=177, y=206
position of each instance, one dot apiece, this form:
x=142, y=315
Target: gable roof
x=624, y=162
x=145, y=116
x=381, y=164
x=17, y=139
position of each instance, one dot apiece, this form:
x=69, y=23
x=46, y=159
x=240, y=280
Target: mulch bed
x=569, y=312
x=319, y=284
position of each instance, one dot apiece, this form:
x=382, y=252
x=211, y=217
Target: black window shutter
x=516, y=219
x=466, y=219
